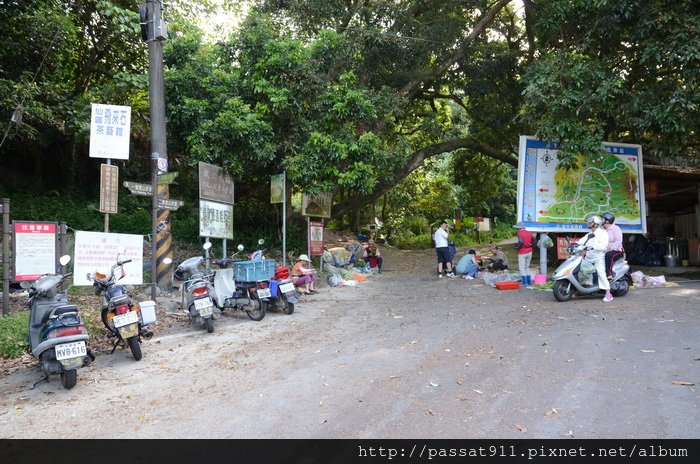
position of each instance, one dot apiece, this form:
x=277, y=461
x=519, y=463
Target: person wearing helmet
x=595, y=252
x=614, y=249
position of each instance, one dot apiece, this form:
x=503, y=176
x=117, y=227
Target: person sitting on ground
x=468, y=265
x=499, y=261
x=372, y=256
x=303, y=277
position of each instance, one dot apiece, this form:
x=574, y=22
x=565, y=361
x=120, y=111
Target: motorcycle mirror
x=261, y=241
x=207, y=245
x=167, y=261
x=591, y=235
x=65, y=259
x=25, y=284
x=241, y=247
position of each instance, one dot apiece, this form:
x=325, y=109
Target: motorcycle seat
x=57, y=312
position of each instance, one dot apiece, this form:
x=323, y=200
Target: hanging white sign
x=98, y=251
x=110, y=131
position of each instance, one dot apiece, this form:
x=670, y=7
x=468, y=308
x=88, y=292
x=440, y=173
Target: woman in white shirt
x=595, y=252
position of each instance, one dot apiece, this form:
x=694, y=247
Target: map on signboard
x=554, y=199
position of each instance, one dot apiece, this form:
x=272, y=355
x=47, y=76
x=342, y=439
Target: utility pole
x=154, y=32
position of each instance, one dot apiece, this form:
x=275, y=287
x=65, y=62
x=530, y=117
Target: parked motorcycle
x=57, y=335
x=578, y=276
x=196, y=290
x=250, y=294
x=283, y=294
x=123, y=320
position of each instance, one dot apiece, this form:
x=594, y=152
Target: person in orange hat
x=302, y=276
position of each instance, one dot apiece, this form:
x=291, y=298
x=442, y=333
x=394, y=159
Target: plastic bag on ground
x=491, y=278
x=644, y=281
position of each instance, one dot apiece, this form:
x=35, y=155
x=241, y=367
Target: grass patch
x=14, y=330
x=14, y=334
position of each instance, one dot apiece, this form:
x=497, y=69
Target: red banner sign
x=35, y=247
x=316, y=237
x=562, y=244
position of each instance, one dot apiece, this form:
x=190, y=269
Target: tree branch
x=411, y=88
x=354, y=203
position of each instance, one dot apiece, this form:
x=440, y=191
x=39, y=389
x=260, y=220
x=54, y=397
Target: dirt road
x=404, y=355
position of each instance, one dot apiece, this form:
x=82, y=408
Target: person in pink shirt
x=614, y=249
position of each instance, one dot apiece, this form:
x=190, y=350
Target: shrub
x=14, y=334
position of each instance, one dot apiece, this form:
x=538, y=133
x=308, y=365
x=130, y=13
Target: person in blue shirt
x=468, y=266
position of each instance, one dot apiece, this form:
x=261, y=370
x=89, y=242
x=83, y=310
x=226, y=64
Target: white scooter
x=229, y=293
x=578, y=276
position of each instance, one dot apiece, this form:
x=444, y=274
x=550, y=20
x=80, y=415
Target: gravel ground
x=403, y=355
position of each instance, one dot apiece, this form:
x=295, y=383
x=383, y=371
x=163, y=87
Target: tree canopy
x=354, y=96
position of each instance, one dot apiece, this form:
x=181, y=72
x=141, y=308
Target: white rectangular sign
x=98, y=251
x=215, y=219
x=110, y=131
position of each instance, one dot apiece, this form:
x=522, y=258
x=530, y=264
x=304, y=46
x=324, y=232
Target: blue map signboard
x=553, y=199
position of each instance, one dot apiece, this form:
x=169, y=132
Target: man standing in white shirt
x=595, y=252
x=442, y=249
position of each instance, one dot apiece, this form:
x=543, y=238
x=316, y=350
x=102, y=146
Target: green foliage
x=632, y=74
x=487, y=188
x=408, y=241
x=348, y=97
x=14, y=334
x=466, y=237
x=422, y=198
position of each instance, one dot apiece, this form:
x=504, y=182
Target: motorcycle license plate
x=264, y=293
x=204, y=306
x=286, y=288
x=127, y=318
x=70, y=350
x=128, y=331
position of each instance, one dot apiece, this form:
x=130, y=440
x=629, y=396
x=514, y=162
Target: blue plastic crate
x=253, y=271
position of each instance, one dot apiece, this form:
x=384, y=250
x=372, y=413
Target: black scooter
x=57, y=335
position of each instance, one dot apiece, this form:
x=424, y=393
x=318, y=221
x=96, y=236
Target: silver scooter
x=578, y=276
x=57, y=335
x=196, y=289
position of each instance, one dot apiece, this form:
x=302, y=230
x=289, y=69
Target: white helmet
x=597, y=220
x=102, y=275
